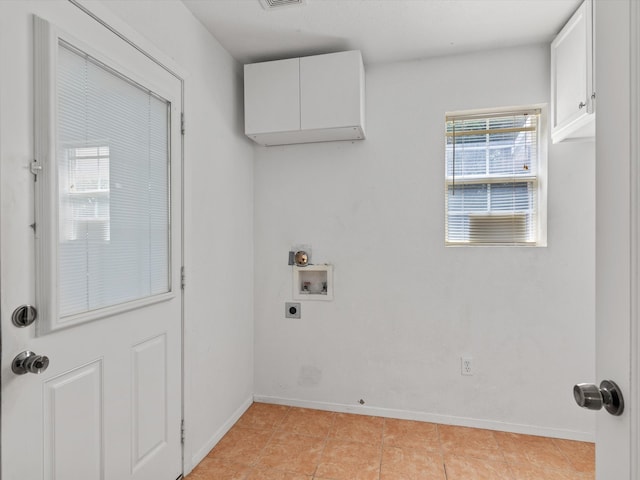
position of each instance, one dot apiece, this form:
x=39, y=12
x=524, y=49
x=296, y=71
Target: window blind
x=113, y=187
x=491, y=180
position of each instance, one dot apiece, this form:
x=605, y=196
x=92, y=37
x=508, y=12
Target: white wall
x=218, y=221
x=406, y=308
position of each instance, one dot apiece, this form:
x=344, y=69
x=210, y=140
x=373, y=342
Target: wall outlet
x=292, y=310
x=466, y=365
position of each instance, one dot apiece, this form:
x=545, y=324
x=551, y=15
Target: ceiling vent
x=274, y=4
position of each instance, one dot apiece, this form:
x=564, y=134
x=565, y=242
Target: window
x=492, y=180
x=113, y=187
x=84, y=193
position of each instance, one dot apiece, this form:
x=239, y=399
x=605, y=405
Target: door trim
x=166, y=63
x=635, y=236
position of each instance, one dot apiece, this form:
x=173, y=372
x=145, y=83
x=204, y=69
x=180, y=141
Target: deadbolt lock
x=24, y=315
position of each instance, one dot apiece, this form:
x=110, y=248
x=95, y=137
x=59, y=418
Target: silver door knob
x=29, y=362
x=592, y=397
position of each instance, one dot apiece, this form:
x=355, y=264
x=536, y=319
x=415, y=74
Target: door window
x=113, y=187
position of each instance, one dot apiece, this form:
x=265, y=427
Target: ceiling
x=384, y=30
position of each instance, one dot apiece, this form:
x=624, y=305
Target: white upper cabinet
x=272, y=96
x=572, y=78
x=333, y=93
x=303, y=100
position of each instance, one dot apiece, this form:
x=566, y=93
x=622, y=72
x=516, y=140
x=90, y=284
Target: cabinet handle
x=581, y=105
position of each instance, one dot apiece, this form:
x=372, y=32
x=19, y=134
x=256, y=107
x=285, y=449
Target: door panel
x=66, y=420
x=149, y=403
x=109, y=405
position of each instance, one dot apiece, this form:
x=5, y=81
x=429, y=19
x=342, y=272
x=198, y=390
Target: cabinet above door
x=272, y=96
x=572, y=78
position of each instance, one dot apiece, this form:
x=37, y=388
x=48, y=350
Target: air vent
x=272, y=4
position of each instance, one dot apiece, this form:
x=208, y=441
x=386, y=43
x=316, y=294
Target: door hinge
x=182, y=123
x=36, y=168
x=182, y=431
x=182, y=278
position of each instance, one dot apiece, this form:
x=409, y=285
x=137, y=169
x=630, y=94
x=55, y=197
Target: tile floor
x=273, y=442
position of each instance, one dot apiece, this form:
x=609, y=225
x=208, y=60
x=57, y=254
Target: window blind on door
x=113, y=187
x=491, y=180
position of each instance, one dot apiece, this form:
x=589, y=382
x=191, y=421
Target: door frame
x=618, y=210
x=635, y=236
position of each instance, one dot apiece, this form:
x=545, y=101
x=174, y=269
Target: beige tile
x=548, y=458
x=538, y=452
x=241, y=445
x=530, y=472
x=347, y=471
x=515, y=446
x=343, y=460
x=273, y=442
x=357, y=428
x=581, y=455
x=407, y=433
x=263, y=416
x=262, y=474
x=308, y=422
x=351, y=452
x=292, y=453
x=214, y=469
x=469, y=442
x=466, y=468
x=411, y=464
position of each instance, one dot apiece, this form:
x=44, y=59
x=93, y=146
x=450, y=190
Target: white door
x=617, y=244
x=98, y=252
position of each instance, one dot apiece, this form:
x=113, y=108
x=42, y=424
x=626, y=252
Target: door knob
x=592, y=397
x=581, y=105
x=29, y=362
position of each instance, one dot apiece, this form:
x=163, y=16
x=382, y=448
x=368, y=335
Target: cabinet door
x=272, y=96
x=330, y=94
x=571, y=70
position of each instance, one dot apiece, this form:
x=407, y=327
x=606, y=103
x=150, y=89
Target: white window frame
x=539, y=180
x=46, y=41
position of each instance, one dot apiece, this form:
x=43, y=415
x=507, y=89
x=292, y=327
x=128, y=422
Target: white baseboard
x=217, y=436
x=433, y=418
